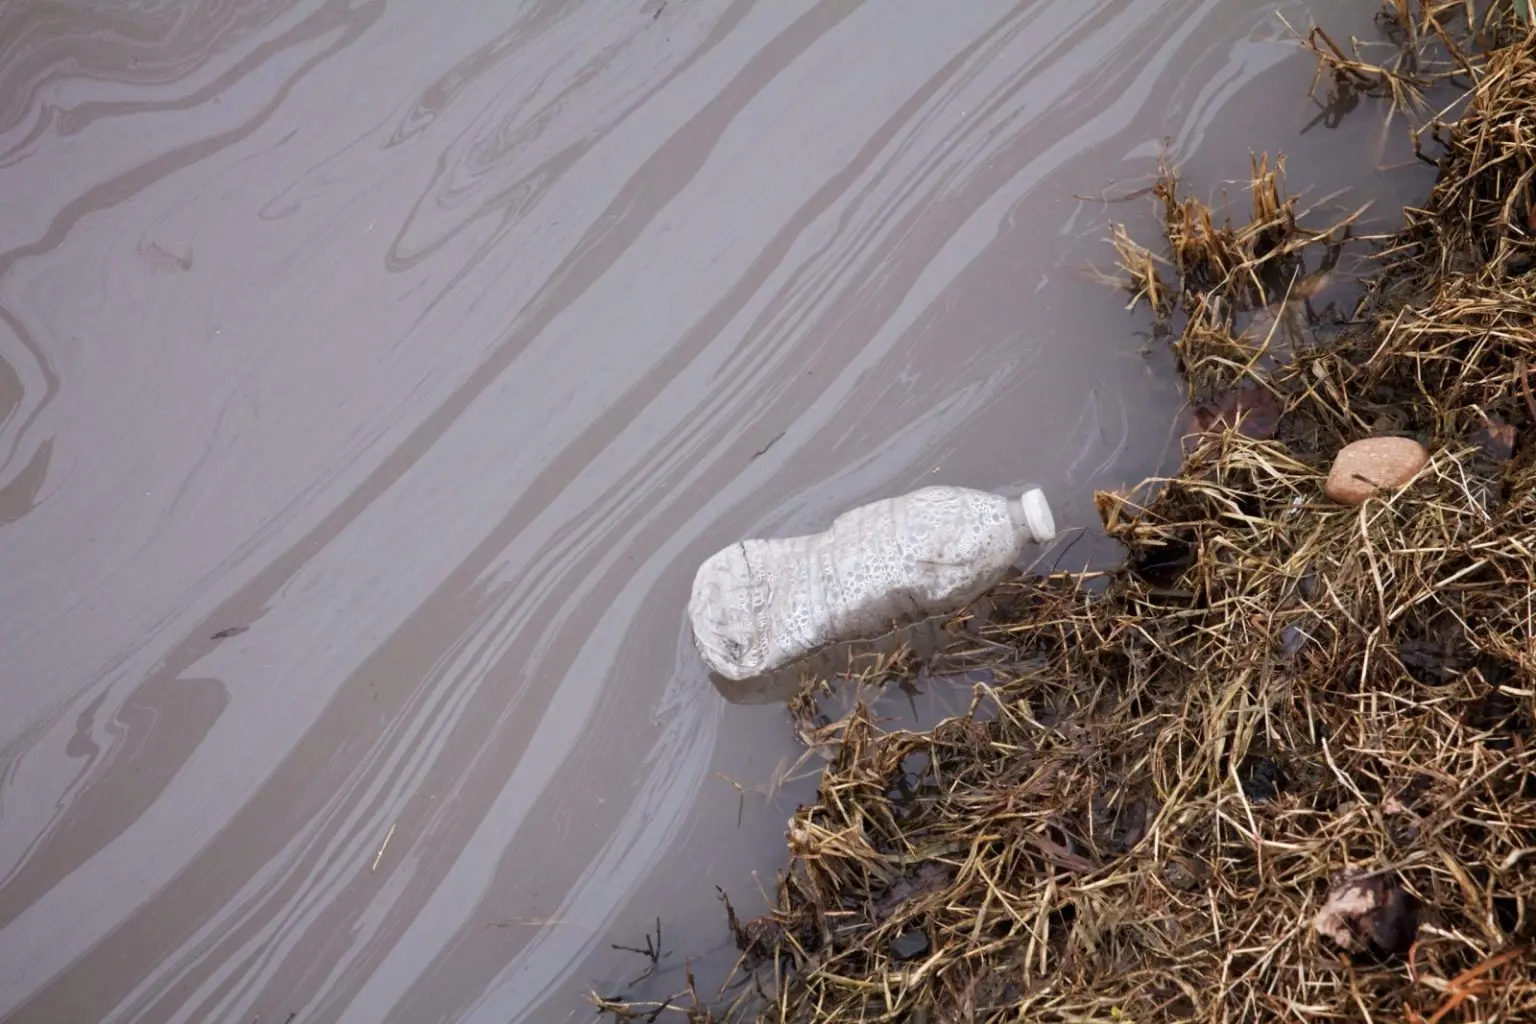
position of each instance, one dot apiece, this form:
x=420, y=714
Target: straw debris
x=1281, y=765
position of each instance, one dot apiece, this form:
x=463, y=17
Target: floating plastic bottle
x=761, y=605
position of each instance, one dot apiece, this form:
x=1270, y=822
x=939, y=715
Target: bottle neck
x=1032, y=513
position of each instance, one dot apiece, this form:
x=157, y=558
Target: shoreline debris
x=1159, y=799
x=760, y=606
x=1365, y=910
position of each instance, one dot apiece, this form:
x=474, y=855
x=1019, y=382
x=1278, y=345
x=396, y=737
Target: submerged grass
x=1280, y=704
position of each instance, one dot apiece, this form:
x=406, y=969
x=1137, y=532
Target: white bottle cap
x=1037, y=514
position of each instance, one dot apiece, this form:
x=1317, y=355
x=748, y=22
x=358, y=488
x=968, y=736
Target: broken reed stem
x=382, y=847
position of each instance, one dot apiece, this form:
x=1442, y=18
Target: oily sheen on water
x=762, y=604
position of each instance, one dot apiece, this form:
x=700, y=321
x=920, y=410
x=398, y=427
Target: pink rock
x=1362, y=468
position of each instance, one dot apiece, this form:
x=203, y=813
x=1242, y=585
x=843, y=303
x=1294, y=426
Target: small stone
x=1362, y=468
x=1263, y=780
x=909, y=945
x=1368, y=910
x=1497, y=440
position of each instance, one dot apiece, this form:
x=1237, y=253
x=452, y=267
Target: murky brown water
x=421, y=352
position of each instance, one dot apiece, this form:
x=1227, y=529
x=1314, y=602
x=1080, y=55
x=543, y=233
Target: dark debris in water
x=1249, y=408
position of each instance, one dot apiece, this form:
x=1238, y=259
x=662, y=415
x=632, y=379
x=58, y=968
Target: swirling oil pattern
x=374, y=374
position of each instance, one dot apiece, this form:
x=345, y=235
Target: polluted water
x=375, y=377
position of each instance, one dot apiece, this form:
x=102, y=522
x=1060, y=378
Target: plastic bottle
x=760, y=605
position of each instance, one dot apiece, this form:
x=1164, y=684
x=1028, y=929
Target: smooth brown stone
x=1362, y=468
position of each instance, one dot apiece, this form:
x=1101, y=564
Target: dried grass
x=1148, y=803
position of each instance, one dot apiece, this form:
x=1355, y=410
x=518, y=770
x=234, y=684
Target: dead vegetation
x=1282, y=765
